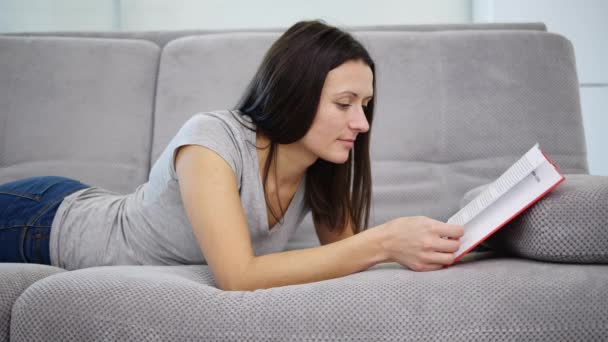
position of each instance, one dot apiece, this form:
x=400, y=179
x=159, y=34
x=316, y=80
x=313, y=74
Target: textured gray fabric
x=455, y=109
x=202, y=74
x=441, y=98
x=487, y=300
x=570, y=224
x=78, y=108
x=94, y=227
x=14, y=279
x=161, y=38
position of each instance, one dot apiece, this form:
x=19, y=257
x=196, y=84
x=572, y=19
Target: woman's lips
x=347, y=142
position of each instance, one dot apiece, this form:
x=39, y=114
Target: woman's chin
x=336, y=159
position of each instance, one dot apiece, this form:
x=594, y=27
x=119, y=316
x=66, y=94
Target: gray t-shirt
x=97, y=227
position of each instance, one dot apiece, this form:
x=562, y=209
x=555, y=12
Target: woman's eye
x=343, y=105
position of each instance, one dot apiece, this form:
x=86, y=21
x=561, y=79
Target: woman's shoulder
x=223, y=125
x=233, y=120
x=225, y=132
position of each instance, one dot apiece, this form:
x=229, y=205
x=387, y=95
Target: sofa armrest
x=568, y=225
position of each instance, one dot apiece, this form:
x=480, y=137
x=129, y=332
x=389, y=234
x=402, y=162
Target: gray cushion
x=74, y=107
x=488, y=300
x=14, y=279
x=451, y=108
x=570, y=224
x=203, y=73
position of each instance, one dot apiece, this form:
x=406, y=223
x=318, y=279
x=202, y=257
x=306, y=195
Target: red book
x=532, y=177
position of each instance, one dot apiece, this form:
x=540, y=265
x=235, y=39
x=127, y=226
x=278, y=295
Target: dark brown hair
x=282, y=100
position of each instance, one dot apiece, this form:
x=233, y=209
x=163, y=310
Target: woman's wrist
x=378, y=237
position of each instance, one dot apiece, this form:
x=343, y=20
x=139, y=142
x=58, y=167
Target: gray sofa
x=456, y=105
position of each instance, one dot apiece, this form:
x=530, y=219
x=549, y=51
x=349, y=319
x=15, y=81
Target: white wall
x=219, y=14
x=585, y=24
x=47, y=15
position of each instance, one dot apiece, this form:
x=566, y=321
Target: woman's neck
x=289, y=165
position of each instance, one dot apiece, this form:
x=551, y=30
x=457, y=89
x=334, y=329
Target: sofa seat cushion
x=14, y=279
x=486, y=300
x=570, y=224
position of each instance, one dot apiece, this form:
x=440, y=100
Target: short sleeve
x=215, y=133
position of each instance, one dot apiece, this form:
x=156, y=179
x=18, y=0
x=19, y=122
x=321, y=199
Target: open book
x=525, y=182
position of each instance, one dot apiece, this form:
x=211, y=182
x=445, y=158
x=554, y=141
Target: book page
x=523, y=167
x=533, y=187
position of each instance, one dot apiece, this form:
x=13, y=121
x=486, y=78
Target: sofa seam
x=153, y=114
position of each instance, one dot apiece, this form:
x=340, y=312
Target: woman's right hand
x=421, y=243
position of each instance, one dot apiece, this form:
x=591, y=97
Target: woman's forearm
x=338, y=259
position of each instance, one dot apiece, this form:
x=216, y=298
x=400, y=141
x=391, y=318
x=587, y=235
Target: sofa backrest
x=203, y=73
x=80, y=104
x=161, y=38
x=79, y=108
x=454, y=108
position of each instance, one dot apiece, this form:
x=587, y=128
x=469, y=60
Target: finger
x=432, y=267
x=451, y=231
x=435, y=267
x=446, y=245
x=440, y=258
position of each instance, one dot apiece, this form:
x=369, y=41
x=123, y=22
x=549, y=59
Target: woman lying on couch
x=232, y=186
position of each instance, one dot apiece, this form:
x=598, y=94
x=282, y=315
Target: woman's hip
x=27, y=201
x=27, y=209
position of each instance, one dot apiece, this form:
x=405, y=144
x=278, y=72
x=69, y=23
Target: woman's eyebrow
x=353, y=93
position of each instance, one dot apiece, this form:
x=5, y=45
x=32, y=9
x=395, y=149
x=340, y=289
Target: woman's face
x=340, y=115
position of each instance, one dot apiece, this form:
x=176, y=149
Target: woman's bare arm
x=349, y=255
x=326, y=236
x=210, y=195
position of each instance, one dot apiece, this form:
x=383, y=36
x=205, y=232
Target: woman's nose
x=359, y=121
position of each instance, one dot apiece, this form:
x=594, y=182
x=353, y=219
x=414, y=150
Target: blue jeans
x=27, y=209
